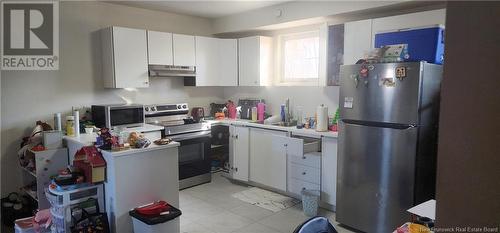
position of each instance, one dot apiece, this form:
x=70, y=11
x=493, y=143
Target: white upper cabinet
x=184, y=50
x=160, y=51
x=357, y=40
x=228, y=62
x=359, y=36
x=207, y=67
x=125, y=57
x=216, y=62
x=255, y=61
x=413, y=20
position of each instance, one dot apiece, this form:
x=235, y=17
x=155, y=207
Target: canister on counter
x=70, y=126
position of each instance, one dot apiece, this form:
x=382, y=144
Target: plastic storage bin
x=24, y=225
x=61, y=202
x=310, y=201
x=59, y=223
x=424, y=44
x=156, y=224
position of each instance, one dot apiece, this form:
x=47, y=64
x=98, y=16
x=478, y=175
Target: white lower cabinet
x=275, y=160
x=268, y=158
x=304, y=164
x=239, y=152
x=305, y=173
x=329, y=170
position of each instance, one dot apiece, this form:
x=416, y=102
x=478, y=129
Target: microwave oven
x=124, y=115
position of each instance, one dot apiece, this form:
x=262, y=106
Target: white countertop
x=151, y=147
x=292, y=129
x=89, y=139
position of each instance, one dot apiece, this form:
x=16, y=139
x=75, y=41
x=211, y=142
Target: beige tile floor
x=209, y=208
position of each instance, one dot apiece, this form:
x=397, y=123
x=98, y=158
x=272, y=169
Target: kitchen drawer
x=298, y=146
x=305, y=173
x=312, y=159
x=296, y=186
x=311, y=145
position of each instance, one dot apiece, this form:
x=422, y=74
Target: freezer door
x=381, y=96
x=376, y=168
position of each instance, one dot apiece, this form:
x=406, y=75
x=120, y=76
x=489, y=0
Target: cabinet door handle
x=286, y=145
x=303, y=188
x=236, y=169
x=303, y=157
x=303, y=173
x=236, y=136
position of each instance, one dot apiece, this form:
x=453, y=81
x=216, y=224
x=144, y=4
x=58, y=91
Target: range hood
x=171, y=71
x=186, y=72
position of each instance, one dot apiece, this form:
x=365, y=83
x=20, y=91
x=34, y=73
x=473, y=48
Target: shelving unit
x=30, y=193
x=29, y=172
x=47, y=164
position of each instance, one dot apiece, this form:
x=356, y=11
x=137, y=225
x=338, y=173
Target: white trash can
x=165, y=222
x=310, y=201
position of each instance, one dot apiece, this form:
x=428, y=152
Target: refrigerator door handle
x=380, y=124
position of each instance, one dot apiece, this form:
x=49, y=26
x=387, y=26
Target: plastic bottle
x=70, y=125
x=336, y=118
x=254, y=113
x=261, y=110
x=283, y=113
x=298, y=115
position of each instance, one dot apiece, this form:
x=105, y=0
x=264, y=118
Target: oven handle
x=191, y=136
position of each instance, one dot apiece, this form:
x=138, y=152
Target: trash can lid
x=166, y=216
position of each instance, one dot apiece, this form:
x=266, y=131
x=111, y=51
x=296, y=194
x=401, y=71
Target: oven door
x=194, y=154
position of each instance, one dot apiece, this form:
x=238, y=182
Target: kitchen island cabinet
x=136, y=177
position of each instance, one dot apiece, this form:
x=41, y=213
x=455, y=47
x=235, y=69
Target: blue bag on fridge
x=424, y=44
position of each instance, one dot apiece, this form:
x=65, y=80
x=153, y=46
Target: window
x=300, y=57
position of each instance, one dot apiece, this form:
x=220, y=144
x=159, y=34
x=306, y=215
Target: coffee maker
x=198, y=113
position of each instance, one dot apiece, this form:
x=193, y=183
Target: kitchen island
x=136, y=177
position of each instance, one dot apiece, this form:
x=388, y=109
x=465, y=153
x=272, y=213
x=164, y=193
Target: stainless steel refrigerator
x=387, y=142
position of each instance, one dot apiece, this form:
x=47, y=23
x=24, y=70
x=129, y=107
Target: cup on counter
x=89, y=130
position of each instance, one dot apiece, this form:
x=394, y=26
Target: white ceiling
x=207, y=8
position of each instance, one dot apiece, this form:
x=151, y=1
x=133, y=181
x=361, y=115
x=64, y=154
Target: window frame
x=297, y=81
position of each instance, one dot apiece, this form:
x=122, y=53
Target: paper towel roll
x=322, y=118
x=76, y=114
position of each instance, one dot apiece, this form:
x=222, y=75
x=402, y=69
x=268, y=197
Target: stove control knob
x=146, y=108
x=153, y=108
x=184, y=106
x=178, y=107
